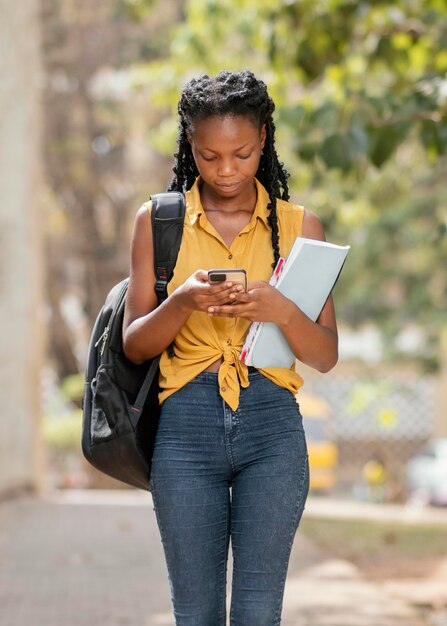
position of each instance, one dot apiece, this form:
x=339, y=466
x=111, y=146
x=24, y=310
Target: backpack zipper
x=103, y=338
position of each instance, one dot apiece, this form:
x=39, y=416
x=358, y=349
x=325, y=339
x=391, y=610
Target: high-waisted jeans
x=203, y=449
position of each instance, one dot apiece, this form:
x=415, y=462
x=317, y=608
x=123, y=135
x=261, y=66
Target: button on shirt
x=203, y=339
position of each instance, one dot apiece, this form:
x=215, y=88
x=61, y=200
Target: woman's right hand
x=197, y=294
x=147, y=328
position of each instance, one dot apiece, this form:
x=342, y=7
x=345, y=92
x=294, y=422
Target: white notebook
x=307, y=277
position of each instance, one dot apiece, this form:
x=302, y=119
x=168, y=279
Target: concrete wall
x=20, y=245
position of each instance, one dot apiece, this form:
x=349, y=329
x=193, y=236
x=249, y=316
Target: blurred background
x=87, y=132
x=88, y=93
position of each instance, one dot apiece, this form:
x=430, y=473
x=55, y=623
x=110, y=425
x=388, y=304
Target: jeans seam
x=223, y=585
x=162, y=536
x=300, y=505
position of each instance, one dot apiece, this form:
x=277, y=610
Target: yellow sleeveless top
x=204, y=339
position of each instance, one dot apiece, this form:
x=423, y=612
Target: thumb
x=201, y=275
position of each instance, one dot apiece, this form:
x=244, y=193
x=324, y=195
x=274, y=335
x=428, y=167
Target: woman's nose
x=226, y=168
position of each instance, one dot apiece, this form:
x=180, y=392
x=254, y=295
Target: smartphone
x=234, y=276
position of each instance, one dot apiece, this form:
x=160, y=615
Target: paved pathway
x=95, y=559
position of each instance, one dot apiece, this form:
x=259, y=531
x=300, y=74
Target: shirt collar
x=262, y=202
x=194, y=206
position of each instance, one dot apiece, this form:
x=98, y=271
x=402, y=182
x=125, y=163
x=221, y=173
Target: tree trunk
x=21, y=311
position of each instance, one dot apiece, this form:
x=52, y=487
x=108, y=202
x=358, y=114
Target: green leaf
x=434, y=136
x=343, y=151
x=335, y=152
x=383, y=141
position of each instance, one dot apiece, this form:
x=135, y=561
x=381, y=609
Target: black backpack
x=120, y=404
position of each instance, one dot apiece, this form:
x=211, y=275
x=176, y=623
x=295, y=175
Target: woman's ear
x=263, y=136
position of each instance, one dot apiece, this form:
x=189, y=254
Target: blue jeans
x=203, y=449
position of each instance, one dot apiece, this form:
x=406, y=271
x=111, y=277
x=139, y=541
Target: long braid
x=272, y=174
x=237, y=94
x=185, y=170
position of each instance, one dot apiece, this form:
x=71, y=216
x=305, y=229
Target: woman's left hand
x=260, y=303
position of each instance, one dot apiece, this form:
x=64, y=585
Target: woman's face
x=227, y=150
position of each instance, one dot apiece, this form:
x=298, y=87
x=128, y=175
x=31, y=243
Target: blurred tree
x=361, y=96
x=91, y=188
x=353, y=80
x=361, y=93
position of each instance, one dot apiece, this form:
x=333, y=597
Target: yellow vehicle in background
x=321, y=444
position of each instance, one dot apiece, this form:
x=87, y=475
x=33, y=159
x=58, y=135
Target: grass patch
x=360, y=540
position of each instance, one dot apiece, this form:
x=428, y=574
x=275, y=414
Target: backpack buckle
x=161, y=288
x=161, y=284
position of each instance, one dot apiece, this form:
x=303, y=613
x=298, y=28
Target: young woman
x=230, y=457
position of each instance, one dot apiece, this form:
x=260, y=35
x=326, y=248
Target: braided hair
x=236, y=94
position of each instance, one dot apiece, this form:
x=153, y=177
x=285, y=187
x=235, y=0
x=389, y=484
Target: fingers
x=235, y=304
x=215, y=295
x=233, y=308
x=203, y=294
x=223, y=297
x=224, y=290
x=240, y=296
x=224, y=310
x=251, y=305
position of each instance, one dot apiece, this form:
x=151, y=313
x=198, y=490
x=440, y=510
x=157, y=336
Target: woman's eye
x=244, y=156
x=208, y=158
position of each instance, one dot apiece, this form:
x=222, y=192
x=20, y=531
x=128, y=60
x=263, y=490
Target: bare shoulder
x=141, y=297
x=312, y=226
x=142, y=230
x=143, y=215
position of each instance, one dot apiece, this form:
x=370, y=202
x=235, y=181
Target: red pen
x=279, y=266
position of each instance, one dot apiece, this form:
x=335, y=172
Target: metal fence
x=386, y=415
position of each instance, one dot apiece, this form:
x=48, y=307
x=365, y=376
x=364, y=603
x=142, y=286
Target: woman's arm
x=313, y=343
x=148, y=329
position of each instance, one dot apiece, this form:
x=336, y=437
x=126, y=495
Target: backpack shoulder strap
x=168, y=215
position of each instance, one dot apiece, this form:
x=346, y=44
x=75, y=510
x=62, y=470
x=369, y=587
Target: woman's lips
x=227, y=186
